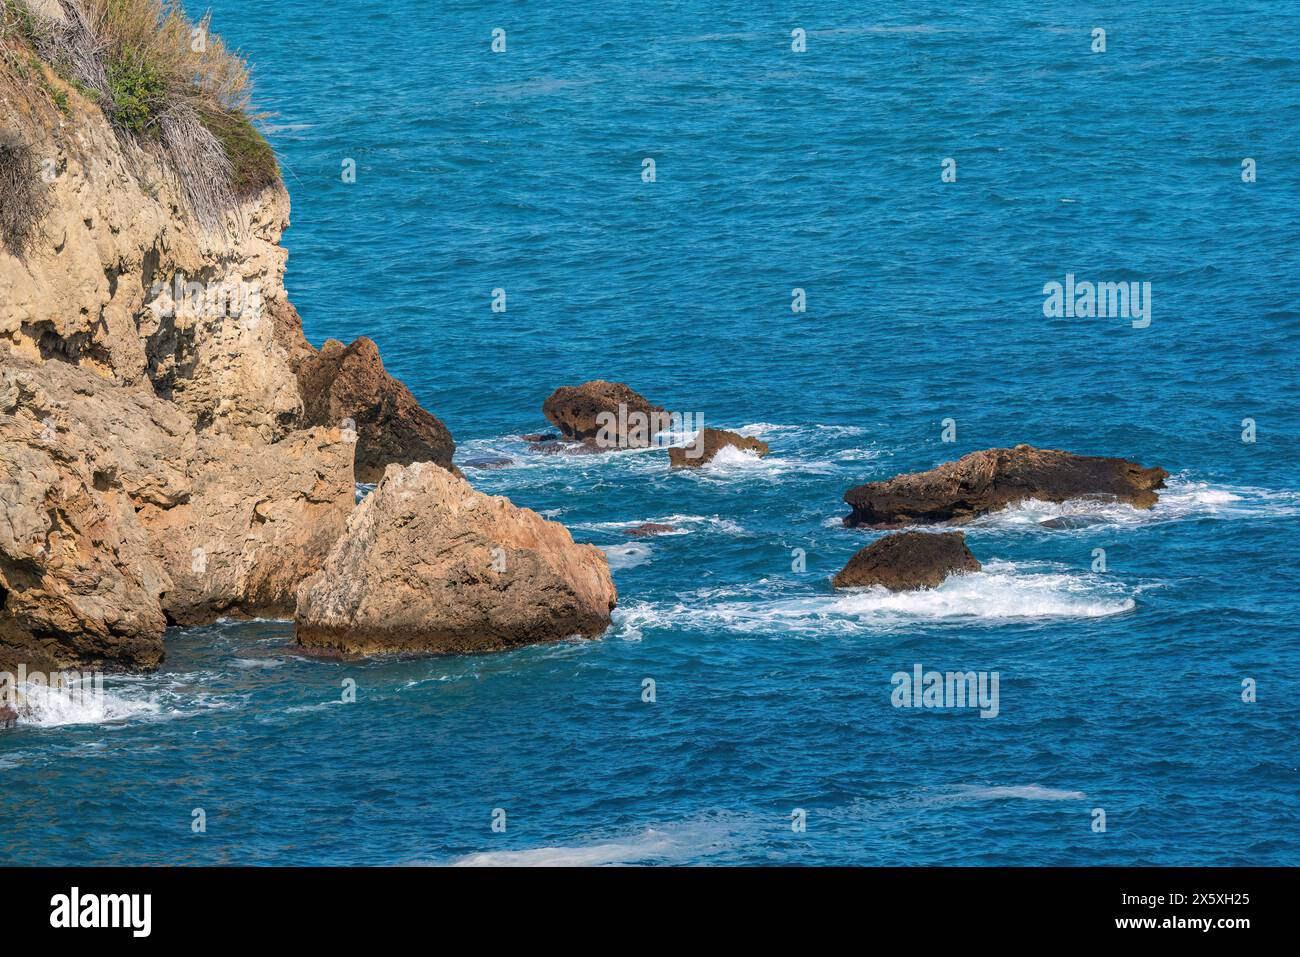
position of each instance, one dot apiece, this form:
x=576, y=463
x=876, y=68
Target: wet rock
x=646, y=529
x=607, y=414
x=8, y=718
x=1067, y=522
x=992, y=479
x=348, y=384
x=540, y=437
x=908, y=560
x=709, y=443
x=428, y=565
x=497, y=462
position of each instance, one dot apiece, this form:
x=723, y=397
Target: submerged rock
x=908, y=560
x=540, y=437
x=1067, y=522
x=495, y=462
x=608, y=415
x=995, y=478
x=646, y=529
x=343, y=384
x=709, y=443
x=429, y=565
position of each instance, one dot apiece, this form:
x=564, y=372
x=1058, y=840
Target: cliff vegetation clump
x=166, y=82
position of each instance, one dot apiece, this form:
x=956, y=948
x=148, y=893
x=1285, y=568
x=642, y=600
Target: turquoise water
x=1119, y=689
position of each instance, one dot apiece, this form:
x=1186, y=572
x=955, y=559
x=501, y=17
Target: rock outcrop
x=990, y=480
x=117, y=516
x=347, y=384
x=160, y=459
x=908, y=560
x=708, y=443
x=430, y=566
x=607, y=415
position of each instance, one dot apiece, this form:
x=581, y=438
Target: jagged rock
x=349, y=383
x=908, y=560
x=429, y=565
x=8, y=718
x=540, y=437
x=646, y=529
x=606, y=415
x=1070, y=522
x=709, y=443
x=995, y=478
x=115, y=515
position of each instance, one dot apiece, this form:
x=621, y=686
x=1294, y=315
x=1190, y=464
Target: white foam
x=255, y=663
x=629, y=555
x=1019, y=792
x=654, y=844
x=1182, y=499
x=1003, y=591
x=42, y=706
x=675, y=841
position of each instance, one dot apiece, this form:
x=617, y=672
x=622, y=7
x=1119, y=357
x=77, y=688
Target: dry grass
x=24, y=195
x=168, y=83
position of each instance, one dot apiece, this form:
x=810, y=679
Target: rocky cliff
x=172, y=449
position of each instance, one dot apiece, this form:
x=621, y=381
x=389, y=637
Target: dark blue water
x=1120, y=690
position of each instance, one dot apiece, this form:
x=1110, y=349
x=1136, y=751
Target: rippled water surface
x=1119, y=689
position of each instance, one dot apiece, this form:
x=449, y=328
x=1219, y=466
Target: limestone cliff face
x=99, y=287
x=155, y=463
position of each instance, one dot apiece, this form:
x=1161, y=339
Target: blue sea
x=1121, y=686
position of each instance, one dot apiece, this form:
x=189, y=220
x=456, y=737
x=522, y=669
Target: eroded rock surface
x=428, y=565
x=607, y=415
x=992, y=479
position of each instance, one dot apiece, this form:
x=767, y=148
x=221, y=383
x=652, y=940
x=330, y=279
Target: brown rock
x=995, y=478
x=650, y=528
x=349, y=383
x=607, y=414
x=8, y=718
x=540, y=437
x=79, y=585
x=908, y=560
x=256, y=522
x=709, y=443
x=429, y=565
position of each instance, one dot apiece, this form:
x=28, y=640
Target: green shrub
x=137, y=91
x=252, y=161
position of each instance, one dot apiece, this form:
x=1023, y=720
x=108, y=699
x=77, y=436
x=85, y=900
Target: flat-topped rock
x=992, y=479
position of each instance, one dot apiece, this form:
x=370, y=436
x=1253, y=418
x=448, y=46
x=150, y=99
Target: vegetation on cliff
x=164, y=80
x=24, y=195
